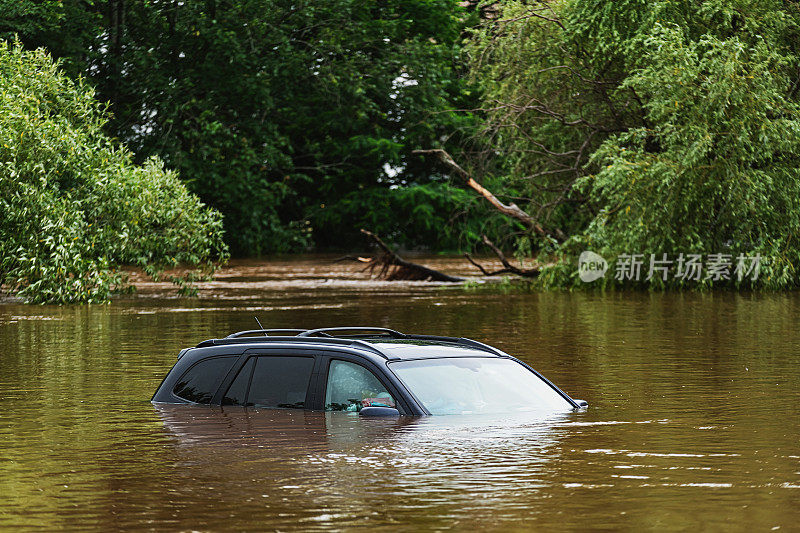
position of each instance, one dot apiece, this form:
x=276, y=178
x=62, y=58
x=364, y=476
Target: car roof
x=382, y=342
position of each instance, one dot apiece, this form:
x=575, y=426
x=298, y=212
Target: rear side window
x=280, y=382
x=200, y=382
x=237, y=392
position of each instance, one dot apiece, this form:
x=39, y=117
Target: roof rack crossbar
x=262, y=331
x=325, y=331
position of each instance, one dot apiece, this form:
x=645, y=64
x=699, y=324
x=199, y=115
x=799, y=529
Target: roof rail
x=325, y=340
x=247, y=332
x=460, y=340
x=481, y=346
x=325, y=331
x=324, y=335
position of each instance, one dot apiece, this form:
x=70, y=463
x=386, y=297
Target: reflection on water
x=339, y=463
x=692, y=421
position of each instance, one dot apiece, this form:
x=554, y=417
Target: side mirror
x=582, y=403
x=379, y=411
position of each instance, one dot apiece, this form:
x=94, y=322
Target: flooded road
x=692, y=424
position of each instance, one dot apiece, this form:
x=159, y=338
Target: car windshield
x=466, y=385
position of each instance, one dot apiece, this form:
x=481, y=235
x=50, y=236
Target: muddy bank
x=311, y=271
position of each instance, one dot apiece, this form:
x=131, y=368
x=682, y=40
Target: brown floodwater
x=692, y=423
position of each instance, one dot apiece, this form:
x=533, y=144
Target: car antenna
x=260, y=326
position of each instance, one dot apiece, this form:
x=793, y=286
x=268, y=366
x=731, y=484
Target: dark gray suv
x=372, y=371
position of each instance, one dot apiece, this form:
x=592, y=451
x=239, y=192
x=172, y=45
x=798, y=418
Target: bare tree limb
x=483, y=270
x=532, y=272
x=508, y=267
x=511, y=209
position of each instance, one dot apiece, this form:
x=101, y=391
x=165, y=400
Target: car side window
x=237, y=392
x=201, y=381
x=280, y=381
x=350, y=387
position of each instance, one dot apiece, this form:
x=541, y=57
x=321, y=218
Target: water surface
x=693, y=418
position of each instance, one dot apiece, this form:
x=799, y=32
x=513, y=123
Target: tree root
x=392, y=267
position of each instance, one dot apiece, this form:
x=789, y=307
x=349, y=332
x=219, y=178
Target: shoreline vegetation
x=581, y=143
x=73, y=205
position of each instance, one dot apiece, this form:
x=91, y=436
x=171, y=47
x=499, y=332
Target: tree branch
x=508, y=267
x=511, y=209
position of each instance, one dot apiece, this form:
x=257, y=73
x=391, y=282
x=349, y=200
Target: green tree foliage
x=64, y=27
x=651, y=127
x=436, y=215
x=270, y=108
x=73, y=206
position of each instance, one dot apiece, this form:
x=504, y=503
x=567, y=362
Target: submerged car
x=372, y=371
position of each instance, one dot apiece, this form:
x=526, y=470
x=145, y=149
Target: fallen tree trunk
x=508, y=268
x=392, y=267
